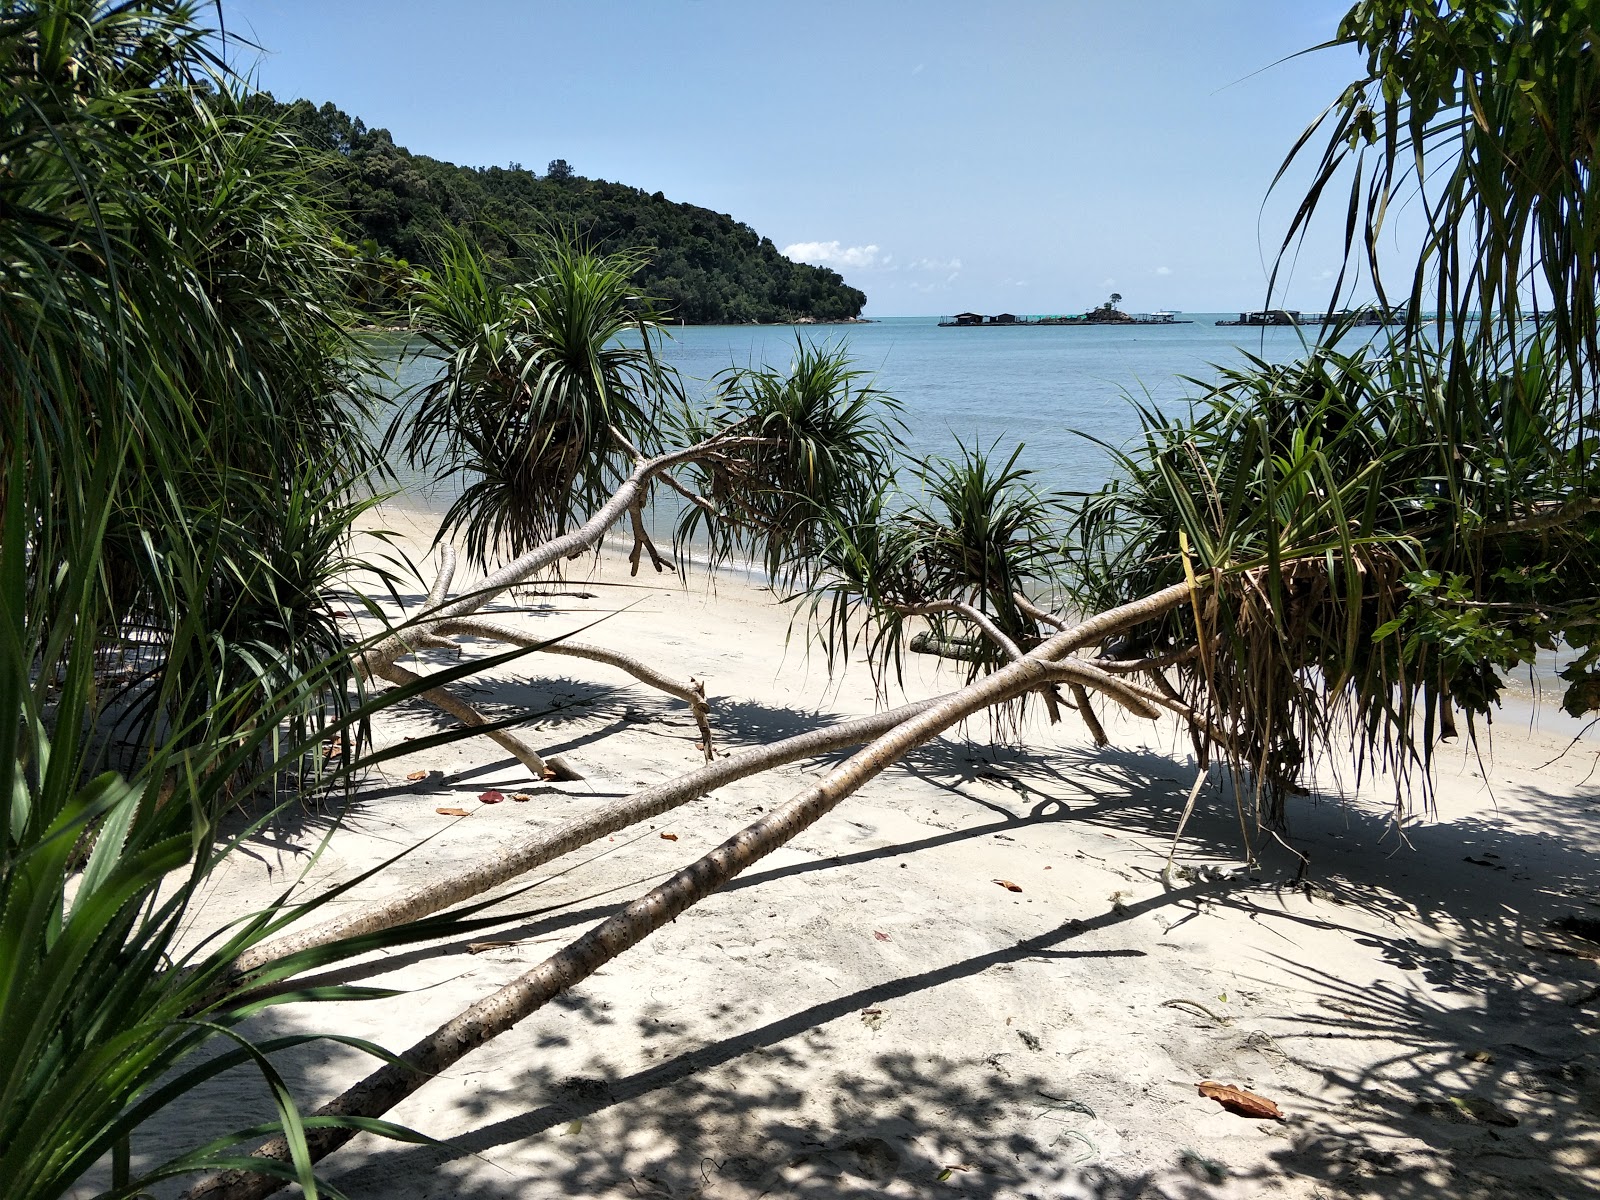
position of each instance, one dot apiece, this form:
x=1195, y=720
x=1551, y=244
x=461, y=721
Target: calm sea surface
x=1043, y=386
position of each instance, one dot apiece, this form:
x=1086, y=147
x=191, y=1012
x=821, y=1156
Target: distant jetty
x=1345, y=316
x=1098, y=317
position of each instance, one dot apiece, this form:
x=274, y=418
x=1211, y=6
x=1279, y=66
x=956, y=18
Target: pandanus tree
x=181, y=457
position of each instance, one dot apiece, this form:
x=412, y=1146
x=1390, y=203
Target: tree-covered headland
x=703, y=267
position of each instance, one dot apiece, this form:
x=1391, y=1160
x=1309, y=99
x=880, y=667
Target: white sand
x=867, y=1013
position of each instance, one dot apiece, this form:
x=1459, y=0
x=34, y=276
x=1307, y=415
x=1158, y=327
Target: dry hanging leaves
x=669, y=837
x=1237, y=1100
x=1008, y=885
x=492, y=797
x=415, y=776
x=452, y=812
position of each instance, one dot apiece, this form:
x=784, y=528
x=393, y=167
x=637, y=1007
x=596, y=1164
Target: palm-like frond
x=822, y=437
x=1372, y=558
x=542, y=389
x=975, y=535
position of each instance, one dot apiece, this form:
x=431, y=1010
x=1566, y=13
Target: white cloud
x=917, y=70
x=935, y=264
x=833, y=254
x=1163, y=270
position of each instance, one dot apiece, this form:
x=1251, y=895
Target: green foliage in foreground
x=705, y=267
x=181, y=459
x=169, y=290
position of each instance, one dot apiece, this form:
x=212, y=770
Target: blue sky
x=1022, y=156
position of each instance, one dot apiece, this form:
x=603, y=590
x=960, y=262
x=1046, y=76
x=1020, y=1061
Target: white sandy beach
x=868, y=1012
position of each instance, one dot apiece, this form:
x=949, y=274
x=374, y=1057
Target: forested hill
x=706, y=267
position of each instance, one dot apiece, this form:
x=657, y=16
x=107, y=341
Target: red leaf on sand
x=882, y=937
x=452, y=812
x=669, y=837
x=492, y=797
x=416, y=775
x=1237, y=1100
x=521, y=797
x=1008, y=885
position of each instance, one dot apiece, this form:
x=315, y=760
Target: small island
x=1105, y=314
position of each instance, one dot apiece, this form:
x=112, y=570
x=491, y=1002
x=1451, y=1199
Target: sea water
x=1064, y=393
x=1056, y=390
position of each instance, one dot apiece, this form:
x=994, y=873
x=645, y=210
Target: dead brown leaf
x=882, y=937
x=480, y=947
x=1008, y=885
x=415, y=776
x=521, y=797
x=492, y=797
x=1237, y=1100
x=452, y=812
x=669, y=837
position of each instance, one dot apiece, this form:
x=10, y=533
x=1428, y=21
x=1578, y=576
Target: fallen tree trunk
x=547, y=845
x=693, y=693
x=508, y=863
x=389, y=1085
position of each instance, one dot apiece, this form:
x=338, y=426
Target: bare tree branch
x=467, y=715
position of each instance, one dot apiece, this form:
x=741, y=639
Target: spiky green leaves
x=1381, y=556
x=817, y=442
x=953, y=552
x=542, y=389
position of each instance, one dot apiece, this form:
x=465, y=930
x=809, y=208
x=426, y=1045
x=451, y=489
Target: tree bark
x=467, y=715
x=692, y=693
x=510, y=862
x=547, y=845
x=488, y=1018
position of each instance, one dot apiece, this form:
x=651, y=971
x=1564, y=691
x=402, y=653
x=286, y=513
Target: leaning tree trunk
x=493, y=1015
x=509, y=862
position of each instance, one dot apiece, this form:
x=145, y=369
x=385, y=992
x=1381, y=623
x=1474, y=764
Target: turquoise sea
x=1043, y=386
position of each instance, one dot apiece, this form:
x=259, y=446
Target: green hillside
x=706, y=267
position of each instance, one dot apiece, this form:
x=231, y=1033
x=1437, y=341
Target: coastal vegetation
x=704, y=267
x=1353, y=548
